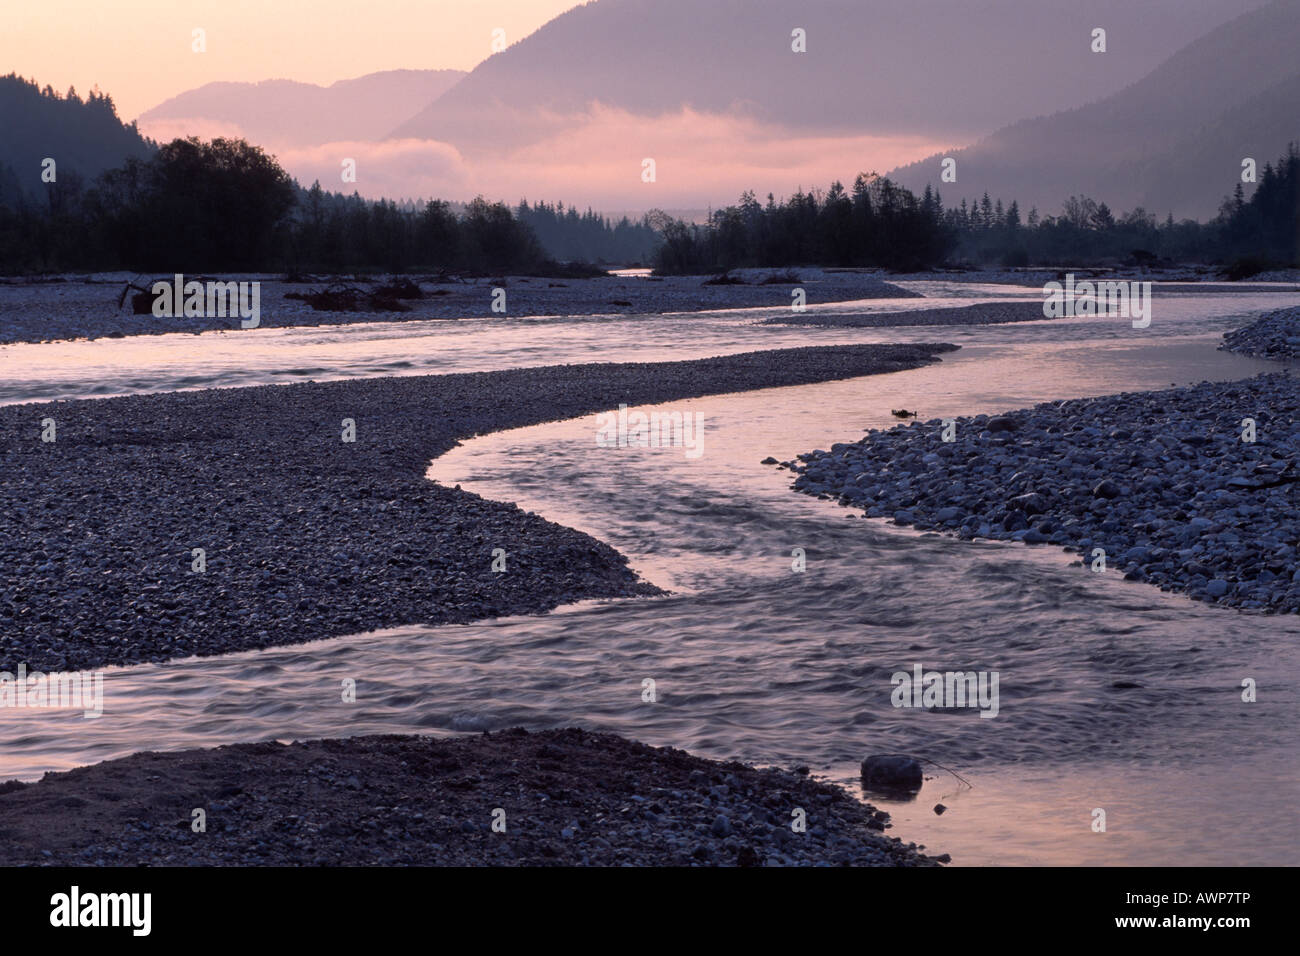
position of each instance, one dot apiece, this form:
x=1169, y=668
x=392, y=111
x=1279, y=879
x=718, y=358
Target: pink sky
x=140, y=50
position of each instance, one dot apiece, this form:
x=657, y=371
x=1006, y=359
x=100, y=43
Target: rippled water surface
x=756, y=661
x=105, y=367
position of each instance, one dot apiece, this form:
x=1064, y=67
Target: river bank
x=1191, y=489
x=1272, y=336
x=87, y=307
x=557, y=798
x=984, y=313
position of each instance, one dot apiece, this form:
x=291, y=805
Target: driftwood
x=399, y=289
x=141, y=302
x=347, y=298
x=725, y=279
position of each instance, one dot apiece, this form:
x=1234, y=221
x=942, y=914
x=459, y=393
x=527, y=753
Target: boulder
x=1106, y=489
x=892, y=772
x=1031, y=504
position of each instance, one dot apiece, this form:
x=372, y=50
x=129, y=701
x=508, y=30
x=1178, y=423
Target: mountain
x=1173, y=142
x=83, y=137
x=293, y=115
x=886, y=67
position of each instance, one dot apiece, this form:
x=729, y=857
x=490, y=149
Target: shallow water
x=755, y=661
x=268, y=356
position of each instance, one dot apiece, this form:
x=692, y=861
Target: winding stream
x=751, y=659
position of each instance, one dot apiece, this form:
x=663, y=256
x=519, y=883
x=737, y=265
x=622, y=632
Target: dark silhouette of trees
x=82, y=136
x=226, y=206
x=589, y=237
x=213, y=206
x=878, y=224
x=1249, y=234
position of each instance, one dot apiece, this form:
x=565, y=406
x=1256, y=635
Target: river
x=750, y=658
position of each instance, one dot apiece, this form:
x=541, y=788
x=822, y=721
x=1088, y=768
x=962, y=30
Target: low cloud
x=389, y=169
x=595, y=158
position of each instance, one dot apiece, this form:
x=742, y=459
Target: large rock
x=1031, y=504
x=892, y=772
x=1106, y=489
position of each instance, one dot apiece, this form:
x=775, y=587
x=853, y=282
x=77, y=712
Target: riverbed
x=750, y=658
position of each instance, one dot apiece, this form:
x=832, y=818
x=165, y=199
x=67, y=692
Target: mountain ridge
x=291, y=113
x=1172, y=142
x=734, y=56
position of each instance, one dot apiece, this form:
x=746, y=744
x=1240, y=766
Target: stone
x=1031, y=504
x=1106, y=489
x=892, y=772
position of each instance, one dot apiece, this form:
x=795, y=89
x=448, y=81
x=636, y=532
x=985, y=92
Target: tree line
x=1246, y=236
x=879, y=224
x=226, y=206
x=84, y=136
x=589, y=236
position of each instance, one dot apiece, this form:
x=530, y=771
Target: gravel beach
x=306, y=536
x=569, y=798
x=1269, y=335
x=985, y=313
x=1189, y=278
x=40, y=311
x=1162, y=482
x=1273, y=336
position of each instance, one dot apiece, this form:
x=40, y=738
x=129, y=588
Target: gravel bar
x=569, y=798
x=1273, y=336
x=1162, y=482
x=40, y=311
x=984, y=313
x=307, y=536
